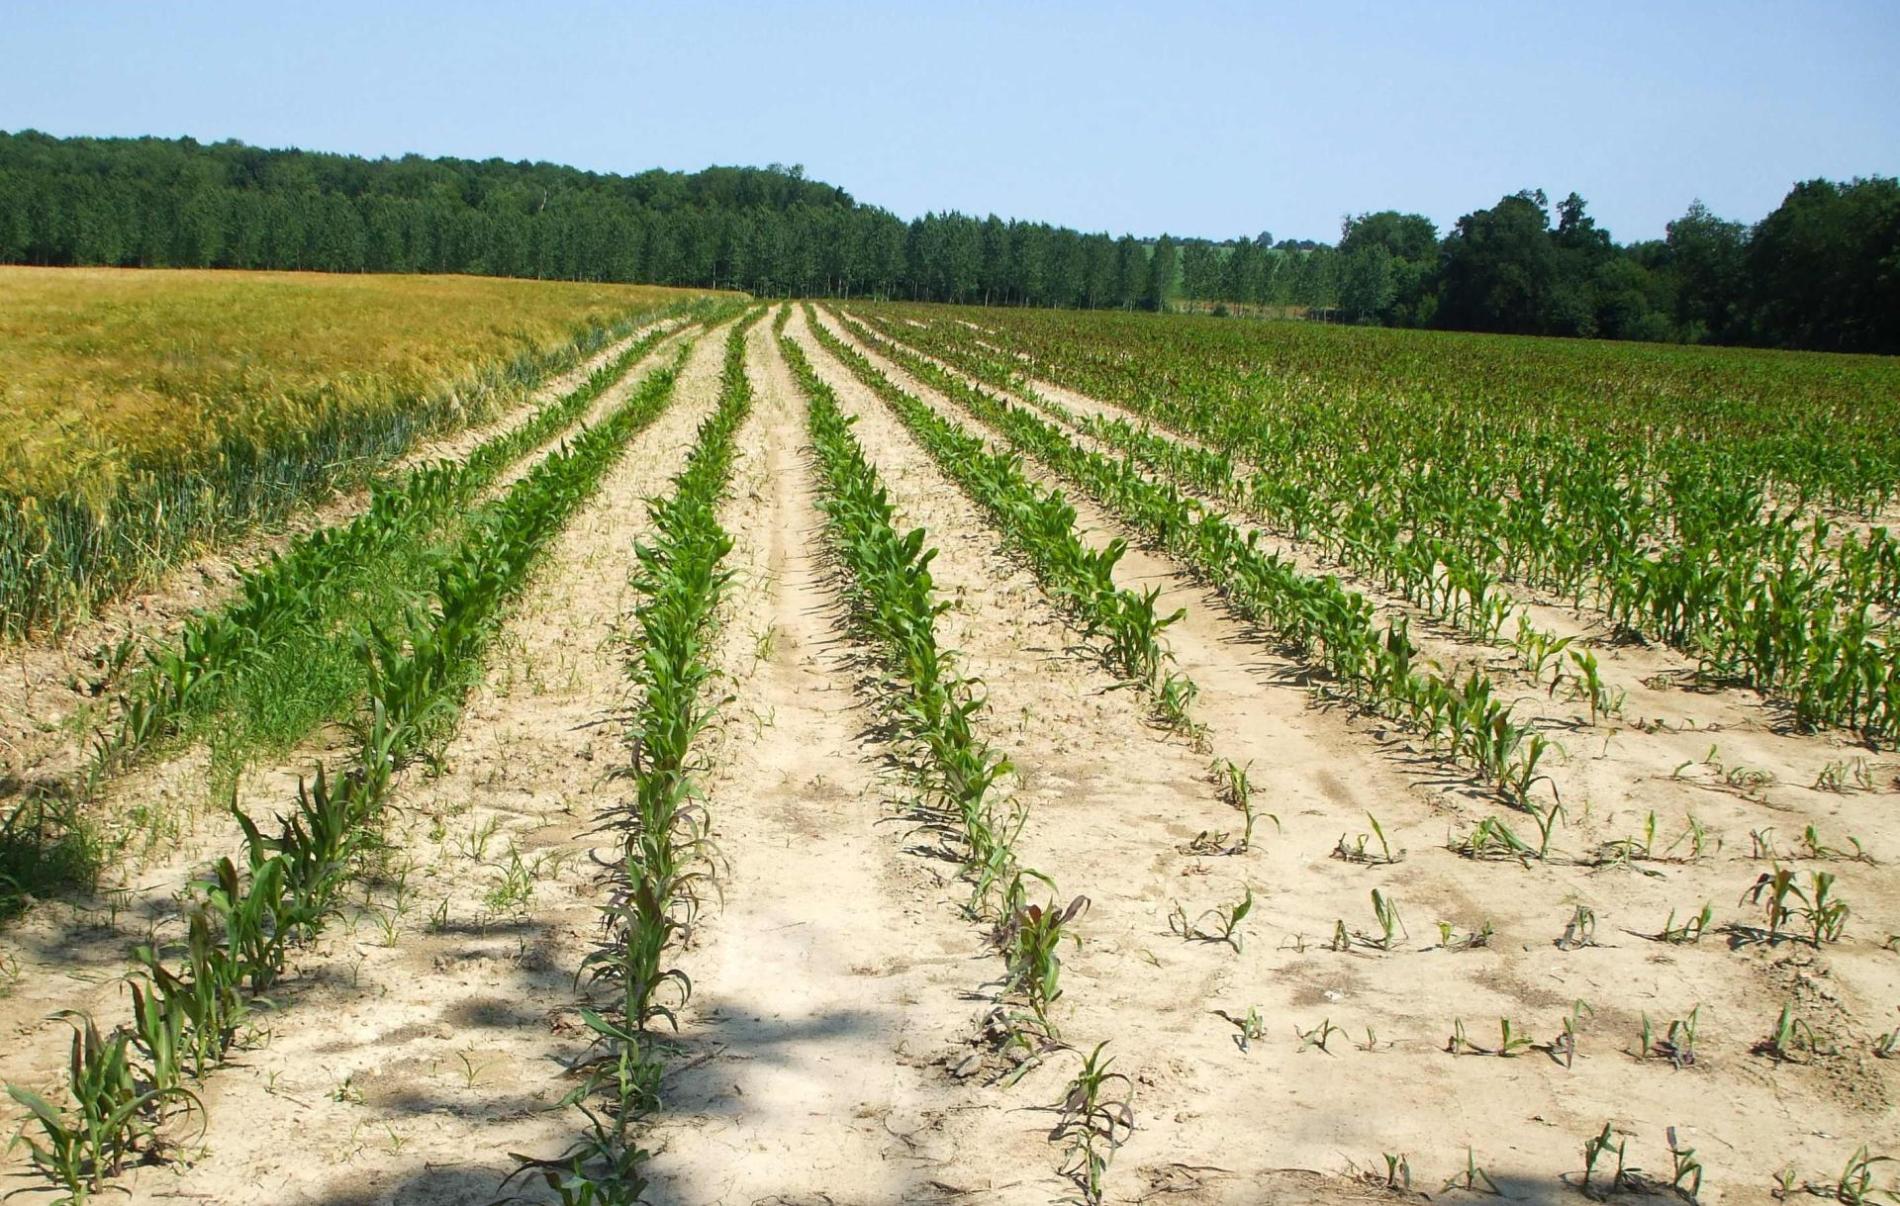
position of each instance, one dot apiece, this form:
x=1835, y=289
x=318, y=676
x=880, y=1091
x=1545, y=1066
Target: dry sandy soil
x=835, y=1047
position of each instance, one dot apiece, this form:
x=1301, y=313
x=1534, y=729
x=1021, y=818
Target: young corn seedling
x=1563, y=1048
x=1887, y=1046
x=1511, y=1040
x=1518, y=775
x=1809, y=845
x=1095, y=1122
x=1624, y=852
x=1836, y=777
x=1236, y=791
x=1621, y=1179
x=1580, y=931
x=1685, y=1176
x=1590, y=688
x=1031, y=941
x=1227, y=919
x=1790, y=1039
x=1174, y=704
x=1385, y=912
x=1855, y=1186
x=1398, y=1173
x=602, y=1168
x=1460, y=1043
x=1318, y=1036
x=1250, y=1028
x=1472, y=1179
x=1359, y=850
x=1449, y=939
x=1396, y=1181
x=1691, y=929
x=1826, y=915
x=1547, y=821
x=1677, y=1044
x=111, y=1118
x=1694, y=841
x=1491, y=838
x=1541, y=650
x=1761, y=844
x=1782, y=901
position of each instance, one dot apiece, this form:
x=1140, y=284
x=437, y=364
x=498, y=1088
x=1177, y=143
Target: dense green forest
x=1821, y=271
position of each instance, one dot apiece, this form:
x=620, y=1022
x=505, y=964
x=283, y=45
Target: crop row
x=667, y=860
x=291, y=602
x=1671, y=531
x=191, y=999
x=1421, y=568
x=1318, y=619
x=1039, y=524
x=64, y=550
x=285, y=654
x=934, y=711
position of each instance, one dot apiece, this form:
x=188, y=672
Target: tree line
x=1822, y=271
x=151, y=202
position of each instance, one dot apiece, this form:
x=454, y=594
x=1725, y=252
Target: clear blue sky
x=1194, y=118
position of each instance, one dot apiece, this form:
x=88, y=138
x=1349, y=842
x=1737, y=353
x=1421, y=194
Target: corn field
x=882, y=752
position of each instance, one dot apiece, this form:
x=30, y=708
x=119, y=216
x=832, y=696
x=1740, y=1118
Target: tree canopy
x=1821, y=271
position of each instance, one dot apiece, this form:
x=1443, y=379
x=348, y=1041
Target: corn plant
x=667, y=859
x=1318, y=1036
x=1790, y=1039
x=1855, y=1185
x=1460, y=1043
x=1685, y=1176
x=1398, y=1173
x=1677, y=1044
x=1691, y=929
x=1097, y=1118
x=1385, y=913
x=1811, y=846
x=1580, y=931
x=602, y=1168
x=1236, y=791
x=1622, y=1178
x=1359, y=850
x=1472, y=1179
x=1491, y=838
x=1511, y=1040
x=1662, y=525
x=1315, y=617
x=114, y=1111
x=1563, y=1048
x=1249, y=1028
x=1227, y=919
x=1783, y=901
x=1449, y=939
x=1031, y=941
